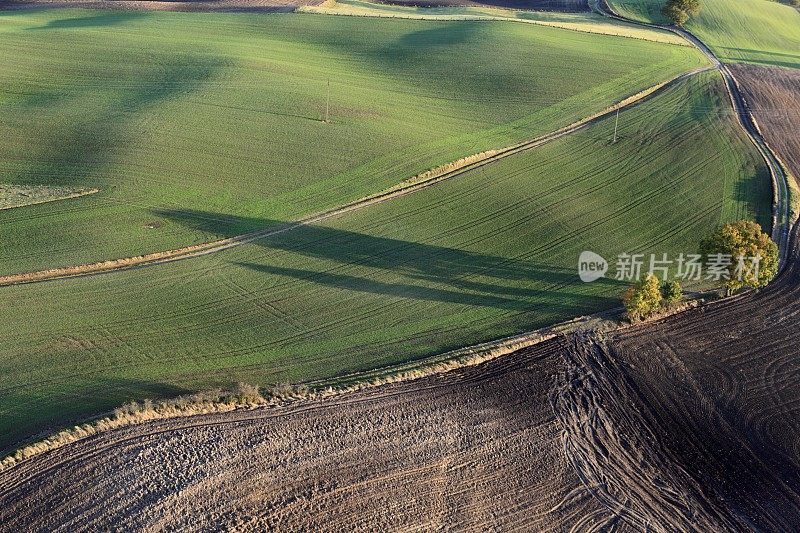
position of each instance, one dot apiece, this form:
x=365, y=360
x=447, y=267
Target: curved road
x=781, y=218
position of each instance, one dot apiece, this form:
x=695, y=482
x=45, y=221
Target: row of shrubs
x=649, y=296
x=240, y=394
x=743, y=238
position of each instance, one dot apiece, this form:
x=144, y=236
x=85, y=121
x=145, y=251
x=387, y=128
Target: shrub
x=643, y=298
x=679, y=11
x=281, y=390
x=671, y=292
x=246, y=393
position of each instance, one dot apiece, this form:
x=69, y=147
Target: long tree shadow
x=425, y=271
x=422, y=58
x=768, y=57
x=752, y=193
x=74, y=149
x=104, y=19
x=407, y=290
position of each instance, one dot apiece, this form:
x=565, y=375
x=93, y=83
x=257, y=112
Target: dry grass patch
x=21, y=195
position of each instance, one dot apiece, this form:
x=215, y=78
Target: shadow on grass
x=767, y=57
x=754, y=192
x=74, y=149
x=535, y=5
x=20, y=424
x=105, y=19
x=424, y=59
x=407, y=269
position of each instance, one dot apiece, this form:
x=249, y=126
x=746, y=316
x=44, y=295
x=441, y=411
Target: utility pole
x=616, y=123
x=328, y=103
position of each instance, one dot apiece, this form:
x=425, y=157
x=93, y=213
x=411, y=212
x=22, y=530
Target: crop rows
x=764, y=32
x=223, y=114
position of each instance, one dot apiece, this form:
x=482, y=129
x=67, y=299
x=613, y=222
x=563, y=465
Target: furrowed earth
x=773, y=95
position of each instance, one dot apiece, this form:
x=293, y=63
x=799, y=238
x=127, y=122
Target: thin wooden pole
x=328, y=103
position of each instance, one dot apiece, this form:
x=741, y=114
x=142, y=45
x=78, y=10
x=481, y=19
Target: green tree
x=675, y=15
x=679, y=11
x=753, y=255
x=672, y=292
x=643, y=298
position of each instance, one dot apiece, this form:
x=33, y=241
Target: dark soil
x=773, y=95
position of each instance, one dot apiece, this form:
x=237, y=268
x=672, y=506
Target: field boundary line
x=320, y=389
x=321, y=9
x=307, y=394
x=411, y=185
x=783, y=215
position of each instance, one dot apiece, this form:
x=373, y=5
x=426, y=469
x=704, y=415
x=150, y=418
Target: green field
x=221, y=113
x=748, y=31
x=490, y=253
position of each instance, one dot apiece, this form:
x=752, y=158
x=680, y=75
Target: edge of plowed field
x=312, y=391
x=317, y=390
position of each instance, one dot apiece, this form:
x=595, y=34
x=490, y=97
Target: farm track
x=462, y=166
x=781, y=209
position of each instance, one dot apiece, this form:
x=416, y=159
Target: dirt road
x=781, y=213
